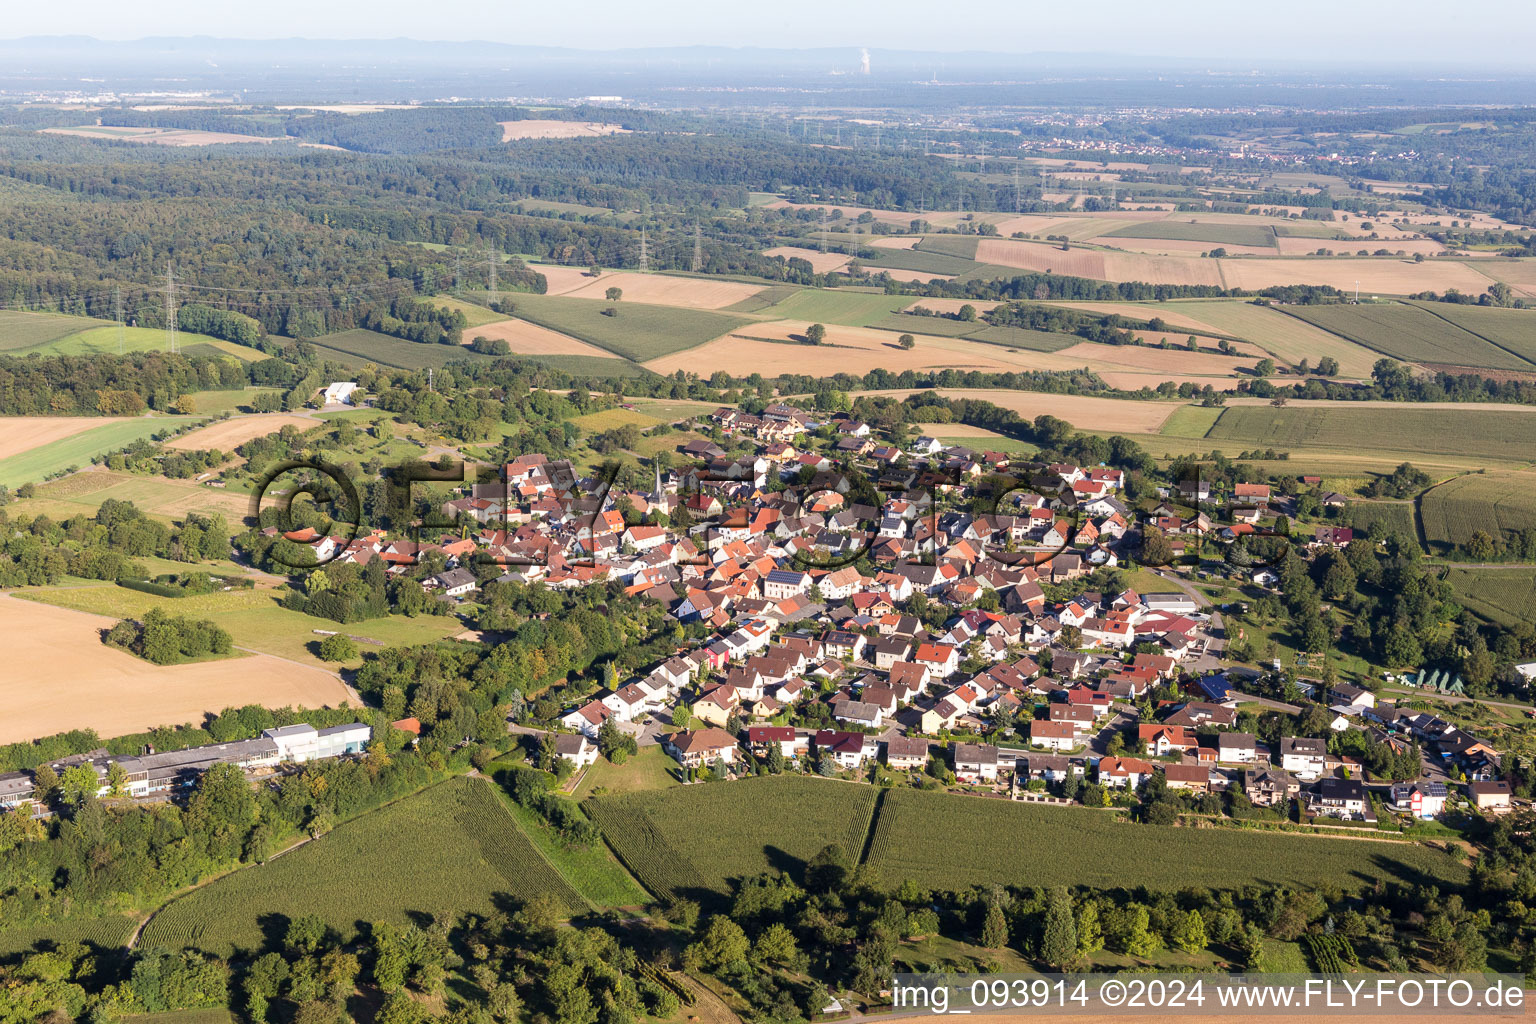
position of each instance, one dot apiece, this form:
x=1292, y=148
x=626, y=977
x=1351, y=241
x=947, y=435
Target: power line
x=698, y=249
x=170, y=308
x=117, y=314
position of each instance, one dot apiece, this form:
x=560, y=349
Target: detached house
x=701, y=747
x=576, y=749
x=1339, y=798
x=906, y=752
x=1266, y=787
x=1306, y=758
x=975, y=762
x=1421, y=799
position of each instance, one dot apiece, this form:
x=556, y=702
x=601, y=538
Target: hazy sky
x=1463, y=32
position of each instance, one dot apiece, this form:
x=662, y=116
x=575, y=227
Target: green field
x=112, y=930
x=143, y=339
x=851, y=309
x=1397, y=515
x=1409, y=333
x=359, y=346
x=591, y=871
x=963, y=246
x=22, y=330
x=1190, y=421
x=763, y=299
x=693, y=840
x=1015, y=337
x=608, y=419
x=253, y=617
x=1472, y=434
x=941, y=326
x=1514, y=329
x=443, y=852
x=211, y=403
x=638, y=332
x=920, y=261
x=478, y=316
x=1503, y=596
x=1260, y=235
x=1498, y=503
x=77, y=450
x=1285, y=337
x=946, y=841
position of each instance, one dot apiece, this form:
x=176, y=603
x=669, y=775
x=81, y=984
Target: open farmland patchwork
x=525, y=338
x=1287, y=338
x=452, y=849
x=229, y=434
x=1410, y=333
x=71, y=446
x=667, y=290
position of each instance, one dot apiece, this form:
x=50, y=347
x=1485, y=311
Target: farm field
x=23, y=330
x=254, y=618
x=1260, y=236
x=1398, y=516
x=61, y=676
x=1086, y=412
x=162, y=136
x=1177, y=246
x=1010, y=843
x=847, y=308
x=821, y=262
x=666, y=290
x=693, y=840
x=1499, y=504
x=74, y=448
x=512, y=131
x=24, y=433
x=639, y=332
x=229, y=434
x=106, y=932
x=1472, y=434
x=91, y=337
x=211, y=403
x=452, y=849
x=359, y=346
x=155, y=495
x=1376, y=276
x=1409, y=333
x=475, y=314
x=918, y=264
x=593, y=872
x=1506, y=596
x=1098, y=265
x=525, y=338
x=1513, y=329
x=1286, y=337
x=773, y=347
x=558, y=279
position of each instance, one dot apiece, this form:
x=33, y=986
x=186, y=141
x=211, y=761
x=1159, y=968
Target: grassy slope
x=1471, y=434
x=1409, y=333
x=852, y=309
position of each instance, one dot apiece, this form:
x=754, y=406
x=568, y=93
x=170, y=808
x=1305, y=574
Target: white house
x=576, y=749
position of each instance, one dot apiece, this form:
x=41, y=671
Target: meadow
x=77, y=449
x=98, y=339
x=947, y=841
x=638, y=332
x=23, y=330
x=694, y=840
x=1497, y=503
x=1409, y=333
x=1258, y=235
x=592, y=871
x=1409, y=430
x=446, y=851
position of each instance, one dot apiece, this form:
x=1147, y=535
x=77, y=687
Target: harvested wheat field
x=1375, y=276
x=1029, y=223
x=229, y=434
x=665, y=290
x=60, y=676
x=535, y=129
x=562, y=280
x=771, y=348
x=529, y=339
x=821, y=262
x=23, y=433
x=1098, y=265
x=1518, y=274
